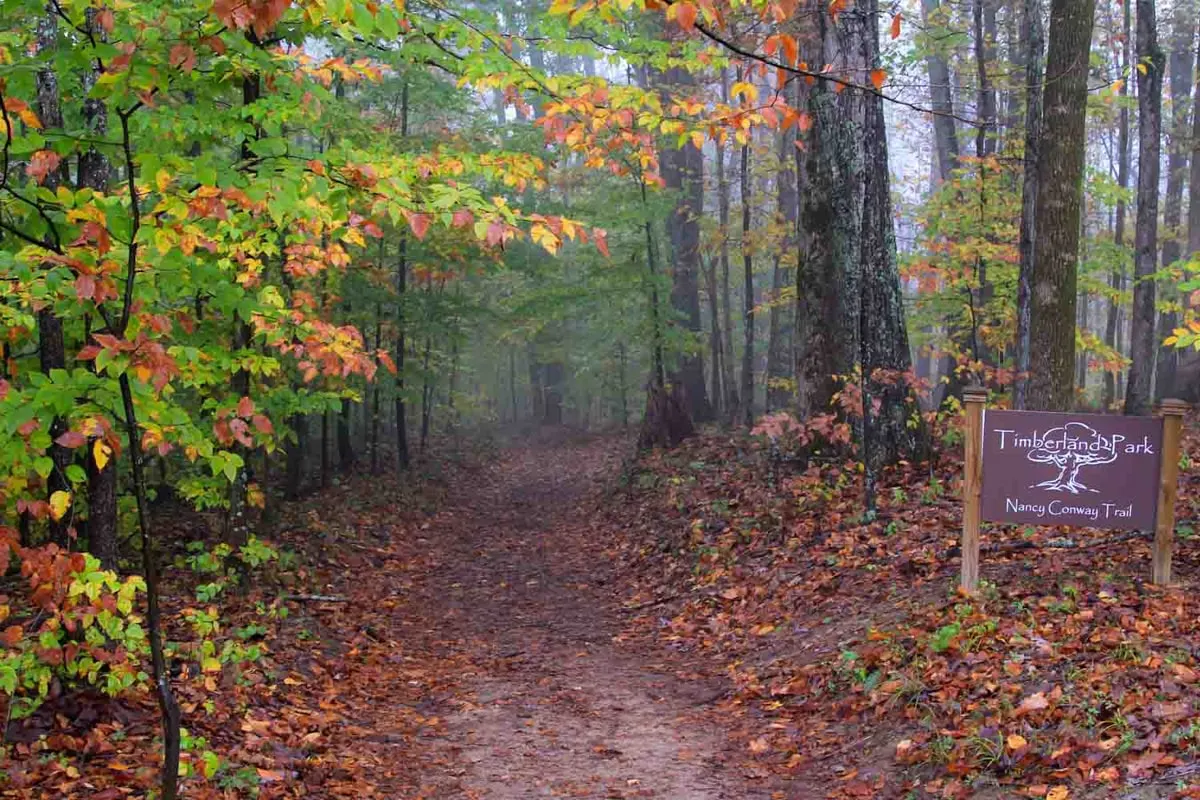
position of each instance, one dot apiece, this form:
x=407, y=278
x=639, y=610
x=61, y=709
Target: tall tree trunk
x=1116, y=278
x=779, y=356
x=402, y=457
x=850, y=311
x=731, y=399
x=294, y=469
x=984, y=24
x=94, y=174
x=747, y=385
x=1145, y=256
x=1180, y=70
x=683, y=173
x=1031, y=45
x=941, y=100
x=1059, y=201
x=714, y=308
x=52, y=351
x=346, y=457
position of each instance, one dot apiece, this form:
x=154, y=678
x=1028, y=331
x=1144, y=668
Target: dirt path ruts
x=554, y=708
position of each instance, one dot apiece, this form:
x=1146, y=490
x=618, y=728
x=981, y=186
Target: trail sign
x=1093, y=470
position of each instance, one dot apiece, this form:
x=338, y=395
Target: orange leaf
x=896, y=26
x=878, y=76
x=685, y=15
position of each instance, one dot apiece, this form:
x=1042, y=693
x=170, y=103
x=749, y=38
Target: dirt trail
x=552, y=707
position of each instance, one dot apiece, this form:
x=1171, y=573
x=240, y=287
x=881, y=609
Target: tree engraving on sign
x=1060, y=451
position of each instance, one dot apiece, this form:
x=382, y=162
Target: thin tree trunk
x=52, y=352
x=1116, y=278
x=779, y=356
x=731, y=398
x=747, y=385
x=1059, y=201
x=1180, y=71
x=714, y=306
x=1145, y=256
x=1031, y=36
x=162, y=676
x=402, y=457
x=94, y=173
x=941, y=101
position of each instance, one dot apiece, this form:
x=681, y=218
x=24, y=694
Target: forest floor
x=557, y=620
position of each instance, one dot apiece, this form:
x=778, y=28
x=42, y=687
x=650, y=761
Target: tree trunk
x=779, y=356
x=850, y=312
x=1031, y=45
x=52, y=352
x=747, y=384
x=945, y=133
x=1145, y=256
x=1116, y=278
x=295, y=468
x=683, y=173
x=402, y=457
x=1180, y=71
x=102, y=483
x=714, y=309
x=1059, y=199
x=346, y=457
x=731, y=399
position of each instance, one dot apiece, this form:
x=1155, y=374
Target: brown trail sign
x=1094, y=470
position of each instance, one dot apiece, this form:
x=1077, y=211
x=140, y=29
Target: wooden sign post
x=1172, y=412
x=974, y=400
x=1084, y=470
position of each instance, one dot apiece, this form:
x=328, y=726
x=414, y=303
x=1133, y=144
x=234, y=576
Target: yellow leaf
x=162, y=179
x=210, y=664
x=1059, y=792
x=698, y=140
x=1141, y=68
x=742, y=87
x=100, y=453
x=1016, y=741
x=60, y=501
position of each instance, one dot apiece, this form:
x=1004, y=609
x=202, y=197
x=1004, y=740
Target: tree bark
x=1031, y=45
x=1059, y=200
x=683, y=173
x=52, y=352
x=731, y=398
x=1116, y=278
x=780, y=325
x=747, y=383
x=945, y=133
x=1180, y=72
x=850, y=313
x=1145, y=256
x=402, y=456
x=94, y=174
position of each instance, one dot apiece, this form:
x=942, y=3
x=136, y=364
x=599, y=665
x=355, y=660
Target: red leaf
x=600, y=237
x=105, y=19
x=85, y=287
x=262, y=424
x=463, y=218
x=245, y=407
x=419, y=224
x=495, y=234
x=182, y=56
x=896, y=26
x=71, y=439
x=878, y=76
